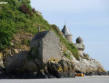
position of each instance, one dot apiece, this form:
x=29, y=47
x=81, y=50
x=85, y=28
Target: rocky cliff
x=18, y=25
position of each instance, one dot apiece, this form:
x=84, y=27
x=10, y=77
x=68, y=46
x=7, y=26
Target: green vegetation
x=25, y=42
x=63, y=40
x=18, y=15
x=15, y=16
x=67, y=55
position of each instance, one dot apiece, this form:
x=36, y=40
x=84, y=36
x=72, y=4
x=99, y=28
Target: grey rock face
x=47, y=45
x=19, y=64
x=61, y=68
x=54, y=69
x=87, y=65
x=67, y=67
x=45, y=59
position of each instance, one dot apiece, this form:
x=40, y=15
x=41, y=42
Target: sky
x=88, y=19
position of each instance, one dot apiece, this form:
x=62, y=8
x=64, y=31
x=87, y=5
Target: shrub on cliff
x=63, y=40
x=6, y=32
x=18, y=15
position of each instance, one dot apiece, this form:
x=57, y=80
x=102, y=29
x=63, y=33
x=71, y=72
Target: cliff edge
x=30, y=45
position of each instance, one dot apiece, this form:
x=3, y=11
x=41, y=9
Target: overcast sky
x=86, y=18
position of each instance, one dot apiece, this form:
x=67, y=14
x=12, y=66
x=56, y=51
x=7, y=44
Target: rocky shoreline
x=31, y=76
x=43, y=75
x=30, y=47
x=39, y=62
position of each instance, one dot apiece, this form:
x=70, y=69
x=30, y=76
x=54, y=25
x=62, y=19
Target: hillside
x=19, y=17
x=19, y=22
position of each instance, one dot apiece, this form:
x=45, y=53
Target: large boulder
x=87, y=65
x=54, y=68
x=61, y=68
x=20, y=64
x=68, y=68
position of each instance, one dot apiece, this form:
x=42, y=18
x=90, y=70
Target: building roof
x=79, y=43
x=66, y=31
x=40, y=35
x=79, y=40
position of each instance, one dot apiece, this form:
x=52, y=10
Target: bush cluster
x=18, y=15
x=25, y=9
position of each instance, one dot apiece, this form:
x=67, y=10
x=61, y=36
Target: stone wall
x=36, y=49
x=69, y=38
x=51, y=47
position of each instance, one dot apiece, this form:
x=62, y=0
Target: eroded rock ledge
x=46, y=59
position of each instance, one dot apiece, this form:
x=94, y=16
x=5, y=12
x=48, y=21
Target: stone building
x=67, y=34
x=80, y=46
x=45, y=46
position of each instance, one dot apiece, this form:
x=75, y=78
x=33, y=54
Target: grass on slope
x=17, y=15
x=69, y=46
